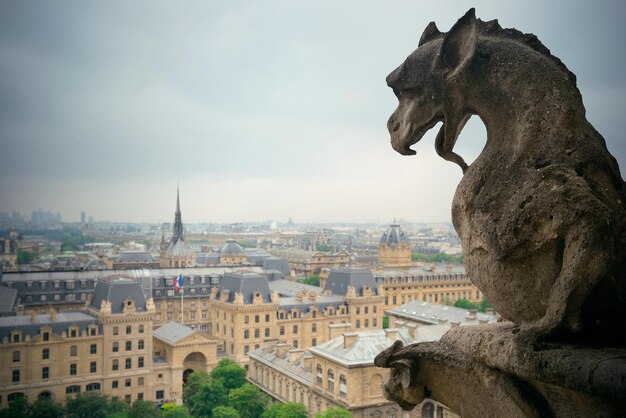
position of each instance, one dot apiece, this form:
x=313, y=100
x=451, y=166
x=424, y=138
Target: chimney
x=308, y=361
x=483, y=321
x=392, y=333
x=53, y=314
x=281, y=349
x=349, y=338
x=472, y=313
x=33, y=316
x=335, y=330
x=454, y=324
x=294, y=354
x=442, y=321
x=490, y=311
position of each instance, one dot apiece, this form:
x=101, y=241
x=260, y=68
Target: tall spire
x=178, y=221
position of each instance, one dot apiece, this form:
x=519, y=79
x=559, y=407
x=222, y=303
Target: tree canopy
x=288, y=410
x=436, y=258
x=334, y=413
x=229, y=373
x=313, y=280
x=248, y=400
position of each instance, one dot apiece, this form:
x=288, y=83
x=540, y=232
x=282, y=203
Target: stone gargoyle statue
x=542, y=219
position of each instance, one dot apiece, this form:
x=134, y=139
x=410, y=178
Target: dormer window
x=16, y=337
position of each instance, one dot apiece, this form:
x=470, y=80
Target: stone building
x=8, y=254
x=431, y=283
x=307, y=263
x=338, y=373
x=109, y=347
x=394, y=249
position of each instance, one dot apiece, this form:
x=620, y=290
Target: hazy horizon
x=259, y=110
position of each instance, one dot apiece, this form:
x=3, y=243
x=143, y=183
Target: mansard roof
x=26, y=325
x=341, y=277
x=246, y=283
x=394, y=235
x=116, y=291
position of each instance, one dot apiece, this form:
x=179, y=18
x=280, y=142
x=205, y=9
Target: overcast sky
x=260, y=109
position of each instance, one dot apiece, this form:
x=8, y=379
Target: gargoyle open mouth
x=404, y=147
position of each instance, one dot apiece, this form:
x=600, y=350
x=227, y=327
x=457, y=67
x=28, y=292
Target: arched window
x=320, y=375
x=92, y=386
x=331, y=381
x=246, y=334
x=72, y=389
x=343, y=386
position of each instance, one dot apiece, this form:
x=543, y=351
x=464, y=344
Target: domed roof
x=394, y=235
x=231, y=248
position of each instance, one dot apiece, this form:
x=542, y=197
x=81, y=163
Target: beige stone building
x=106, y=347
x=394, y=249
x=338, y=373
x=307, y=263
x=437, y=283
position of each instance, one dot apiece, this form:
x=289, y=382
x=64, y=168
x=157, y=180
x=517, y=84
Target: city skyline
x=260, y=111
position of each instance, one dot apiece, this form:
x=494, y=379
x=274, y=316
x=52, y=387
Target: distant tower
x=83, y=217
x=394, y=249
x=176, y=253
x=178, y=221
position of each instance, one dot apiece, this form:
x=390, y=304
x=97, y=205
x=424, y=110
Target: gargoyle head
x=402, y=373
x=427, y=89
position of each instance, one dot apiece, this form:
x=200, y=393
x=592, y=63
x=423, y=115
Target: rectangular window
x=256, y=318
x=141, y=329
x=140, y=345
x=129, y=330
x=45, y=354
x=127, y=383
x=116, y=347
x=295, y=329
x=267, y=332
x=45, y=372
x=282, y=330
x=73, y=351
x=93, y=349
x=140, y=381
x=127, y=399
x=73, y=369
x=46, y=336
x=128, y=363
x=115, y=365
x=160, y=394
x=92, y=367
x=16, y=376
x=16, y=356
x=267, y=317
x=140, y=396
x=256, y=333
x=93, y=331
x=314, y=328
x=295, y=343
x=140, y=362
x=116, y=330
x=129, y=345
x=73, y=333
x=114, y=384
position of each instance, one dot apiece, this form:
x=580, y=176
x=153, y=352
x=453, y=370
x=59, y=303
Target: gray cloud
x=96, y=95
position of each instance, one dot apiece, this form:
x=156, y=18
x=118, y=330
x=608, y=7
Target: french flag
x=178, y=282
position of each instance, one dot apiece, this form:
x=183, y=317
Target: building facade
x=338, y=373
x=394, y=249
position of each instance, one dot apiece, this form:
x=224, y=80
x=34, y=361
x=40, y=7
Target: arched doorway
x=194, y=361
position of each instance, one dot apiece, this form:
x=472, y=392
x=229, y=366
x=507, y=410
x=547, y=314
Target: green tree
x=225, y=412
x=144, y=409
x=484, y=305
x=248, y=400
x=313, y=280
x=288, y=410
x=465, y=304
x=18, y=408
x=45, y=408
x=25, y=257
x=334, y=413
x=210, y=396
x=176, y=412
x=194, y=382
x=229, y=373
x=94, y=405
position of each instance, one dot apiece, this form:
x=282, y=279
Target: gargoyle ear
x=430, y=33
x=459, y=44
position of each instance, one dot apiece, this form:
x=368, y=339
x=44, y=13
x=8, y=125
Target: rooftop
x=173, y=332
x=434, y=313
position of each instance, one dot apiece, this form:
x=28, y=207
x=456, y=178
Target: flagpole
x=182, y=304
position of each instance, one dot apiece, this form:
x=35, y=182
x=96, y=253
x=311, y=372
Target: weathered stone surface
x=542, y=218
x=541, y=212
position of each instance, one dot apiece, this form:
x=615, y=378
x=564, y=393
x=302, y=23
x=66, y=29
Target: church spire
x=178, y=222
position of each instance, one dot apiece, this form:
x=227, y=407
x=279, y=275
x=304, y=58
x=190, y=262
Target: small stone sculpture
x=541, y=211
x=542, y=221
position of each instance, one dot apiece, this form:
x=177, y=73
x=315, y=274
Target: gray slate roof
x=432, y=313
x=246, y=283
x=63, y=320
x=340, y=278
x=366, y=346
x=8, y=296
x=135, y=257
x=394, y=235
x=116, y=290
x=295, y=369
x=231, y=248
x=173, y=332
